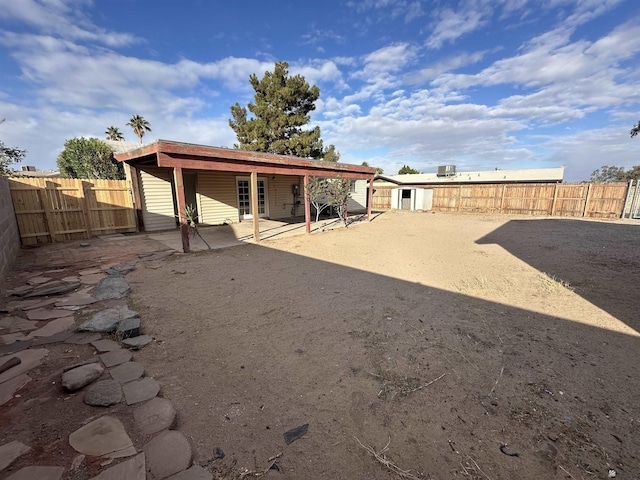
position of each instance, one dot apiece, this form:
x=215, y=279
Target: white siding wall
x=358, y=200
x=217, y=197
x=158, y=211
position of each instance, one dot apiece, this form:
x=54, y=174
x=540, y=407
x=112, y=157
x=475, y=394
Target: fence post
x=504, y=187
x=459, y=197
x=85, y=205
x=626, y=199
x=555, y=197
x=586, y=202
x=48, y=221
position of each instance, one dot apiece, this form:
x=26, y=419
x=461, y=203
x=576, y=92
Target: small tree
x=406, y=169
x=9, y=155
x=608, y=174
x=331, y=154
x=317, y=192
x=379, y=171
x=338, y=193
x=89, y=158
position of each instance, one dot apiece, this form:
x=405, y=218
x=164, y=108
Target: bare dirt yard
x=453, y=346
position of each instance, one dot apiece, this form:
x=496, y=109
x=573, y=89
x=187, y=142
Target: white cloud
x=452, y=25
x=588, y=150
x=63, y=18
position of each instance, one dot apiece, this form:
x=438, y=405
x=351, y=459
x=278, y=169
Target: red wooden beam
x=165, y=160
x=369, y=198
x=307, y=206
x=254, y=206
x=184, y=226
x=225, y=157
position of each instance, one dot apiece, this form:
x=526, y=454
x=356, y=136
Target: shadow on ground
x=598, y=260
x=255, y=341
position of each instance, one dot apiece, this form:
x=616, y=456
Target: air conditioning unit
x=446, y=170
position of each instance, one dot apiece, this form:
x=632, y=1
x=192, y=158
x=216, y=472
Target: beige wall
x=157, y=198
x=9, y=235
x=217, y=198
x=280, y=193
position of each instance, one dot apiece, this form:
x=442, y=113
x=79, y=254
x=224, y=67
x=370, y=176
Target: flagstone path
x=44, y=305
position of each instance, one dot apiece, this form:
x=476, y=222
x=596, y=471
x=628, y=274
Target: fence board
x=596, y=200
x=62, y=209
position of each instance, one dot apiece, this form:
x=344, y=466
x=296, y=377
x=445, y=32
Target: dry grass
x=483, y=287
x=232, y=472
x=381, y=458
x=552, y=284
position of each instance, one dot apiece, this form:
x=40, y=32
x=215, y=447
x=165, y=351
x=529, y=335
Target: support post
x=586, y=202
x=555, y=200
x=184, y=226
x=134, y=178
x=254, y=206
x=85, y=191
x=307, y=205
x=369, y=198
x=626, y=199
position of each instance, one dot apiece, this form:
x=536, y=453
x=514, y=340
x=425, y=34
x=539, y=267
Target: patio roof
x=166, y=153
x=187, y=156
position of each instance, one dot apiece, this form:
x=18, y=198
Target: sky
x=479, y=84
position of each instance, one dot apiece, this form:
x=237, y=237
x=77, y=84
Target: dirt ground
x=470, y=346
x=479, y=347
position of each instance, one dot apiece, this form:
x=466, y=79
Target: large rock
x=136, y=343
x=104, y=437
x=10, y=451
x=121, y=269
x=111, y=287
x=47, y=314
x=9, y=388
x=133, y=469
x=51, y=288
x=28, y=359
x=116, y=357
x=127, y=372
x=167, y=454
x=129, y=327
x=103, y=393
x=140, y=390
x=154, y=416
x=53, y=328
x=39, y=473
x=107, y=321
x=81, y=376
x=105, y=345
x=82, y=338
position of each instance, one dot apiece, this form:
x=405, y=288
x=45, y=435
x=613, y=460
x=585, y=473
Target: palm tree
x=114, y=133
x=139, y=125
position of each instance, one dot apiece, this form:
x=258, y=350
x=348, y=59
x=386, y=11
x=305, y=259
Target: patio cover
x=186, y=156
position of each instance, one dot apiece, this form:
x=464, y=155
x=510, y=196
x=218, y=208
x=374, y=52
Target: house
x=415, y=191
x=223, y=185
x=33, y=172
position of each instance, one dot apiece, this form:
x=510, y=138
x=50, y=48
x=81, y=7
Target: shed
x=223, y=184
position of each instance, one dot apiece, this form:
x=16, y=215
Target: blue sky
x=475, y=83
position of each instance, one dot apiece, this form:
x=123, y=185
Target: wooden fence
x=595, y=200
x=59, y=209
